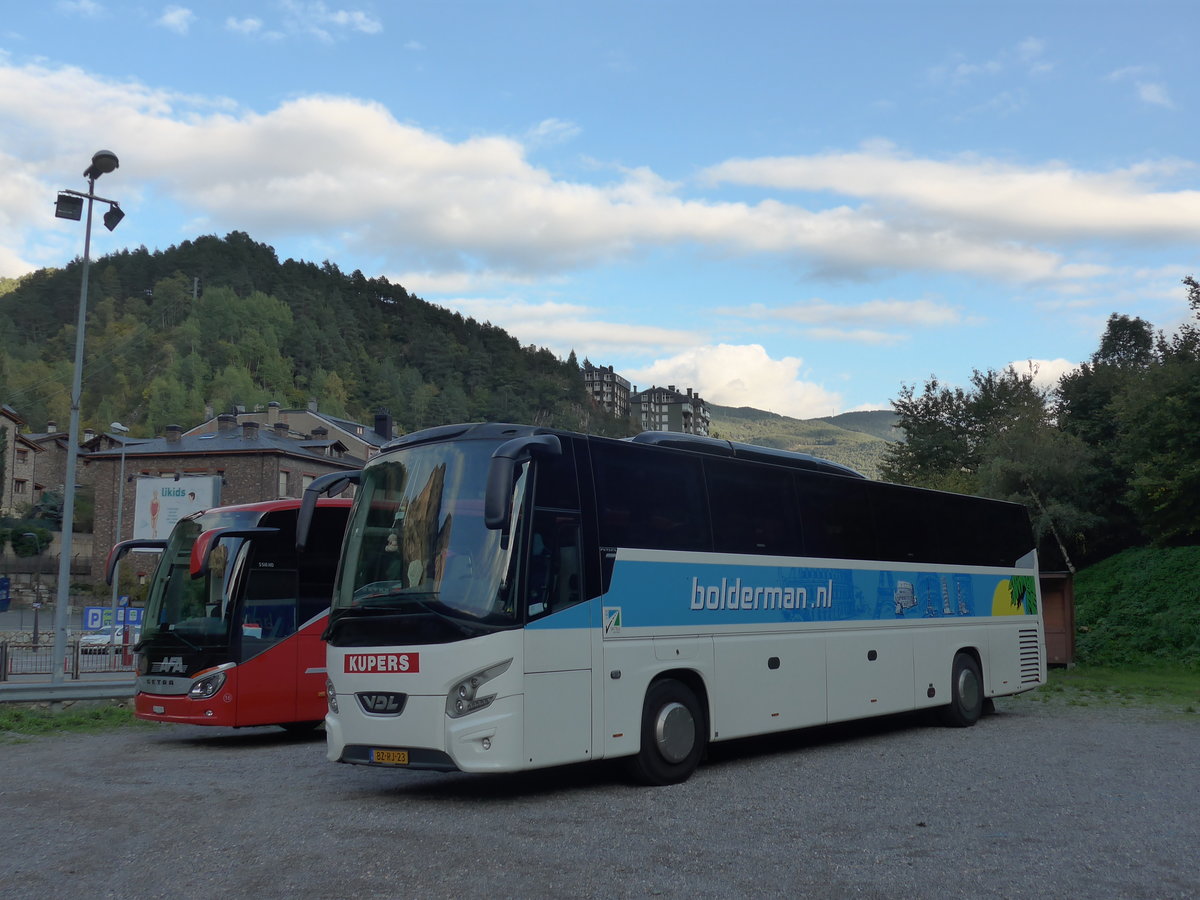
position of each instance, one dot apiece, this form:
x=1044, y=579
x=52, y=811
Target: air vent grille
x=1031, y=656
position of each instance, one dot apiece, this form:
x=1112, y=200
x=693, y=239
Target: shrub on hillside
x=1140, y=607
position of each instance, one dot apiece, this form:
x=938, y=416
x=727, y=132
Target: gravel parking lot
x=1038, y=800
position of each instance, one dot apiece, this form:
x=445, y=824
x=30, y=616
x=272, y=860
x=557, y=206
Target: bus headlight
x=464, y=697
x=331, y=696
x=203, y=688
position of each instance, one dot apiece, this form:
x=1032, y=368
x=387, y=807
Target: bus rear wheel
x=673, y=734
x=966, y=693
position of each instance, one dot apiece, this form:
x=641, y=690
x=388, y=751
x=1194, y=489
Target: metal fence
x=27, y=658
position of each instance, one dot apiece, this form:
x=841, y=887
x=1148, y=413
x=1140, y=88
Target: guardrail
x=27, y=658
x=44, y=691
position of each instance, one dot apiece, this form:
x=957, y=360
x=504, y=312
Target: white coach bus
x=513, y=597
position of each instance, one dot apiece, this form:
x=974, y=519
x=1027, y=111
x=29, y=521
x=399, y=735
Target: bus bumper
x=489, y=740
x=218, y=710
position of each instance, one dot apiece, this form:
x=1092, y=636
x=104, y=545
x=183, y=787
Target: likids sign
x=161, y=502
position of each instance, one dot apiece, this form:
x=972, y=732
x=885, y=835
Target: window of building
x=283, y=482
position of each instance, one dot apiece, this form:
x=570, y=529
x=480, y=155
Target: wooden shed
x=1058, y=614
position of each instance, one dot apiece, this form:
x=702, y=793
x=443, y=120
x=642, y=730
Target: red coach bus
x=232, y=628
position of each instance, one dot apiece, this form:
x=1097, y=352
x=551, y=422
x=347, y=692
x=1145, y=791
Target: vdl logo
x=382, y=703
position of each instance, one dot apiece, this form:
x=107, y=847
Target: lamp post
x=121, y=430
x=69, y=206
x=37, y=587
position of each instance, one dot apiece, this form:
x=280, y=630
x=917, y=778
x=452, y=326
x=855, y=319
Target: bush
x=1140, y=607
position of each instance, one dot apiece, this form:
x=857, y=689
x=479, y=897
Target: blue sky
x=794, y=206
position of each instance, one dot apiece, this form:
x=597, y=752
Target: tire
x=674, y=734
x=300, y=727
x=966, y=693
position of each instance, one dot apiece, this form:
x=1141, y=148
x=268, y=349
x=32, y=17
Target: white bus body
x=641, y=652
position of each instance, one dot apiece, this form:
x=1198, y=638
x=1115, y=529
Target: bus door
x=558, y=643
x=268, y=671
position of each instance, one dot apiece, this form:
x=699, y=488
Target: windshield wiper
x=377, y=589
x=179, y=637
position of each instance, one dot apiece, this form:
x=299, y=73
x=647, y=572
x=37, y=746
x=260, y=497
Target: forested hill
x=214, y=324
x=858, y=440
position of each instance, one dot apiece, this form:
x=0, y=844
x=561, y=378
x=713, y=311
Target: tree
x=1053, y=473
x=1157, y=410
x=947, y=429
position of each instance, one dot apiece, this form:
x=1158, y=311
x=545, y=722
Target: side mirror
x=207, y=542
x=117, y=553
x=497, y=511
x=333, y=483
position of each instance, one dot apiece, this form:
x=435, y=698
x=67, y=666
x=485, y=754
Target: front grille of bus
x=1031, y=656
x=381, y=703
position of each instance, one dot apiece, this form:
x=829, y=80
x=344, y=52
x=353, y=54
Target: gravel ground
x=1041, y=799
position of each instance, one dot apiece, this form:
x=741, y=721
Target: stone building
x=252, y=462
x=20, y=483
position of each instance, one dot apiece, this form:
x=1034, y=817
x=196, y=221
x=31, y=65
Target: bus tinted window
x=557, y=485
x=907, y=524
x=650, y=498
x=835, y=516
x=753, y=509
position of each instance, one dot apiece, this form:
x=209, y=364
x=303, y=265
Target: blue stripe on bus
x=657, y=594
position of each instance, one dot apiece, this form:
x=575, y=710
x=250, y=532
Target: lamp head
x=69, y=207
x=117, y=426
x=103, y=162
x=113, y=217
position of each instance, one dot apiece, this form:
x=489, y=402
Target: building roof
x=232, y=441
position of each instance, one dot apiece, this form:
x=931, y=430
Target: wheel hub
x=675, y=732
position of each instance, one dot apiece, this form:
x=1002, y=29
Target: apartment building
x=608, y=389
x=666, y=409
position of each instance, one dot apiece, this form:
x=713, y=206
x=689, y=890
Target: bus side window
x=554, y=577
x=752, y=508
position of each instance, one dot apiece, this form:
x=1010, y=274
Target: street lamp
x=121, y=430
x=37, y=586
x=69, y=207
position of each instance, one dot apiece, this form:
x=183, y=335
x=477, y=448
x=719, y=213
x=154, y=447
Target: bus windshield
x=417, y=551
x=197, y=611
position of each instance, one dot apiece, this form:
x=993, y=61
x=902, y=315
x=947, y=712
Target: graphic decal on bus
x=673, y=594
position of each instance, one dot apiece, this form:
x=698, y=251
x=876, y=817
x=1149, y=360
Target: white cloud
x=87, y=8
x=1148, y=91
x=1046, y=372
x=1025, y=57
x=249, y=26
x=746, y=375
x=177, y=19
x=923, y=313
x=479, y=208
x=971, y=198
x=318, y=20
x=563, y=327
x=553, y=131
x=1154, y=94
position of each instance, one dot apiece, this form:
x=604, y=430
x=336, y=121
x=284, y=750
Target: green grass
x=21, y=719
x=1175, y=689
x=1140, y=609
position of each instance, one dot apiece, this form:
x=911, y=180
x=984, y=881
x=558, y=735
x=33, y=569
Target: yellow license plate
x=390, y=757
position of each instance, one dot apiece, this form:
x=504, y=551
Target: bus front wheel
x=966, y=692
x=673, y=734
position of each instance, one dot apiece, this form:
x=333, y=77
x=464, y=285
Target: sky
x=796, y=206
